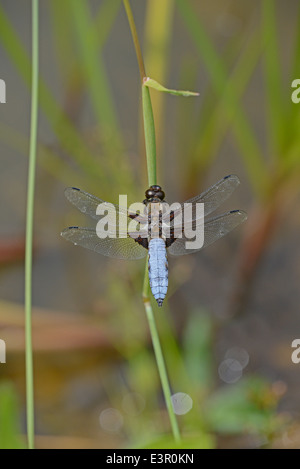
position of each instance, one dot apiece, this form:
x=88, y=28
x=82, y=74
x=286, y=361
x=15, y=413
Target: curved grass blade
x=157, y=86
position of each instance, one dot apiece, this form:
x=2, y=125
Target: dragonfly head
x=154, y=194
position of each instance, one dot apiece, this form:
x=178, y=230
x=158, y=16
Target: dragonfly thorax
x=156, y=210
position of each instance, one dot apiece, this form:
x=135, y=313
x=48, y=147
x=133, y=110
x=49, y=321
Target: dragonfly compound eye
x=150, y=193
x=155, y=188
x=160, y=194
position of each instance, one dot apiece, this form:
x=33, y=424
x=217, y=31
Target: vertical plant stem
x=29, y=225
x=159, y=357
x=151, y=167
x=135, y=38
x=149, y=131
x=158, y=30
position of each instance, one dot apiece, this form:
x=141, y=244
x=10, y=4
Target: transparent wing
x=84, y=201
x=214, y=229
x=88, y=203
x=213, y=197
x=118, y=248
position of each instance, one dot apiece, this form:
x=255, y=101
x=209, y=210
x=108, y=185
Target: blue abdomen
x=158, y=269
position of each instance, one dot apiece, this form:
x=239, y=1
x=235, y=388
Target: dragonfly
x=158, y=231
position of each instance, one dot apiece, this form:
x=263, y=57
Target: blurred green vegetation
x=9, y=409
x=104, y=355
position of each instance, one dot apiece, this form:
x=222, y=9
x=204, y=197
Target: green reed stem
x=135, y=38
x=149, y=128
x=149, y=131
x=29, y=225
x=159, y=357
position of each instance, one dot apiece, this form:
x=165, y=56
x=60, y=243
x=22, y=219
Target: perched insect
x=158, y=230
